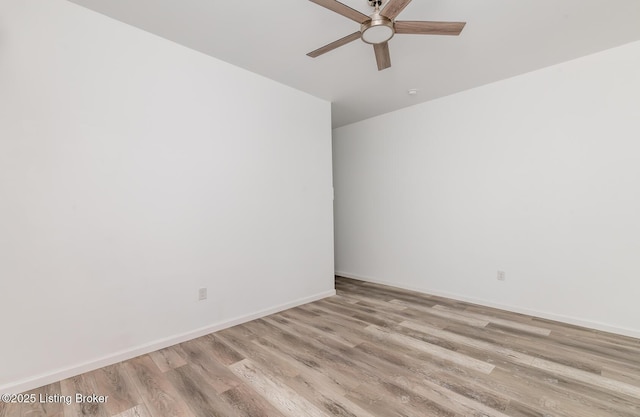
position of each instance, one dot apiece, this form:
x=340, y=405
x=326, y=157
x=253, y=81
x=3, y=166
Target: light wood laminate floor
x=370, y=351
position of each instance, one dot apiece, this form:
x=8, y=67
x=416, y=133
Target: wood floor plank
x=86, y=386
x=447, y=315
x=625, y=375
x=159, y=395
x=405, y=378
x=431, y=349
x=137, y=411
x=280, y=395
x=222, y=352
x=526, y=344
x=391, y=399
x=320, y=324
x=587, y=377
x=248, y=403
x=203, y=400
x=334, y=315
x=168, y=358
x=201, y=360
x=335, y=366
x=550, y=394
x=279, y=367
x=511, y=324
x=304, y=331
x=325, y=394
x=455, y=388
x=311, y=330
x=117, y=382
x=366, y=315
x=625, y=356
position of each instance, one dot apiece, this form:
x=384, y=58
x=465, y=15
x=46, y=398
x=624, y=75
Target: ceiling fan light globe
x=377, y=30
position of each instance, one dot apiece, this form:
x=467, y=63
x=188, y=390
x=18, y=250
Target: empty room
x=296, y=208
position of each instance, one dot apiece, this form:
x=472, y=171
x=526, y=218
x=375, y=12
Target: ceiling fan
x=378, y=28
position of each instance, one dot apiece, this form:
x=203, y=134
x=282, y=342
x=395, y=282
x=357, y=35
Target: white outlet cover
x=202, y=294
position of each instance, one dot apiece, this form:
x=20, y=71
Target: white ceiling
x=502, y=38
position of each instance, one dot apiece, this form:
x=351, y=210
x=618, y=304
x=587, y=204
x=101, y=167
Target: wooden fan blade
x=335, y=44
x=428, y=28
x=382, y=55
x=342, y=9
x=393, y=8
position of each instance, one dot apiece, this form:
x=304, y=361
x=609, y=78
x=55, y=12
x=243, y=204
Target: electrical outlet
x=501, y=276
x=202, y=294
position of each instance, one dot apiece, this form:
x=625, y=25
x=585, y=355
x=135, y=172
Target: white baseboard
x=535, y=313
x=51, y=377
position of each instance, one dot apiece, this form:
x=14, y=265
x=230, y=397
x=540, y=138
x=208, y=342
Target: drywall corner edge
x=45, y=379
x=514, y=309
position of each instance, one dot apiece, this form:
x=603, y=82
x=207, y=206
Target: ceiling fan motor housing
x=377, y=30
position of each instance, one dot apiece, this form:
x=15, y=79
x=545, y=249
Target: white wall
x=134, y=171
x=538, y=175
